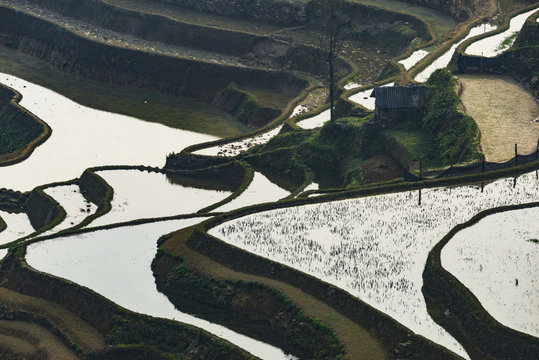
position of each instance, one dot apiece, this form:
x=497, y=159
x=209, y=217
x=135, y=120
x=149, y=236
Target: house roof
x=394, y=97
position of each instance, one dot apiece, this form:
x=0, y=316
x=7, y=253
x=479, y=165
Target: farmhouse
x=399, y=105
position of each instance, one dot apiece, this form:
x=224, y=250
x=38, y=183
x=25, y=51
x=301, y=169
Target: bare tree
x=332, y=20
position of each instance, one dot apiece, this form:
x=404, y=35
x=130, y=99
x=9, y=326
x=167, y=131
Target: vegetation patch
x=20, y=131
x=12, y=201
x=455, y=134
x=249, y=307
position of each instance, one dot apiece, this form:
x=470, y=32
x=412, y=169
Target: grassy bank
x=248, y=307
x=358, y=343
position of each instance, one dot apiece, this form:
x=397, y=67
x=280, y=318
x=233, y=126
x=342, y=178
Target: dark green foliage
x=167, y=339
x=441, y=102
x=459, y=143
x=455, y=134
x=391, y=69
x=325, y=152
x=17, y=129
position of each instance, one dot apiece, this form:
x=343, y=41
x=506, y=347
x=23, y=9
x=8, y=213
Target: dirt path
x=358, y=343
x=504, y=112
x=73, y=327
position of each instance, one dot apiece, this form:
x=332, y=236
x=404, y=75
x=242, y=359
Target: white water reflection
x=312, y=186
x=143, y=195
x=237, y=147
x=315, y=121
x=374, y=247
x=260, y=190
x=351, y=85
x=116, y=264
x=497, y=260
x=364, y=98
x=414, y=58
x=3, y=253
x=489, y=47
x=444, y=60
x=77, y=208
x=18, y=226
x=83, y=137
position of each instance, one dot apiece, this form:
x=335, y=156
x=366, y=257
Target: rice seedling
x=374, y=247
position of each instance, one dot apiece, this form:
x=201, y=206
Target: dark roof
x=394, y=97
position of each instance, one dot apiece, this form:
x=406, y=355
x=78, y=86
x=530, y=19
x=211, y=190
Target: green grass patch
x=267, y=97
x=416, y=142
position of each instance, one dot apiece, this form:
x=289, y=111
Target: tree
x=331, y=16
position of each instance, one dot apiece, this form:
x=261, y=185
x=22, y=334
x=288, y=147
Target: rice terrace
x=278, y=179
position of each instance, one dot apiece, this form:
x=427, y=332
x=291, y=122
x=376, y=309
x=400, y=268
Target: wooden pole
x=483, y=166
x=419, y=203
x=516, y=154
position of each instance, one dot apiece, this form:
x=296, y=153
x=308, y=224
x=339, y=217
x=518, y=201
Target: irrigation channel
x=373, y=247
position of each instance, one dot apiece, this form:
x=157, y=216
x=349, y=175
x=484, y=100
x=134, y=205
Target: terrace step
x=123, y=40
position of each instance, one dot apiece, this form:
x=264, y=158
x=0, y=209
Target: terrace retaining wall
x=170, y=75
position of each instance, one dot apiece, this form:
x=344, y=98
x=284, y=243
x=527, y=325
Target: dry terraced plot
x=505, y=113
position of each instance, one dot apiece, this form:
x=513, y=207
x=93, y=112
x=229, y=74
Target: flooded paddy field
x=260, y=190
x=497, y=260
x=492, y=45
x=374, y=247
x=77, y=208
x=144, y=195
x=18, y=226
x=83, y=137
x=116, y=263
x=442, y=61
